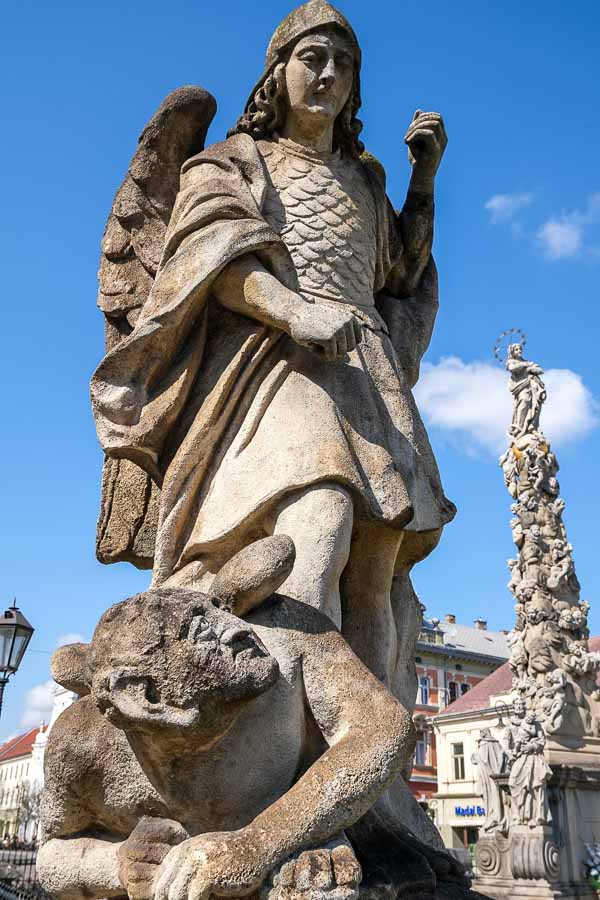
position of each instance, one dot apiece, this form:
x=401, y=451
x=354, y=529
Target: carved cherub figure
x=527, y=511
x=565, y=620
x=515, y=575
x=531, y=553
x=518, y=655
x=553, y=527
x=177, y=776
x=526, y=733
x=525, y=591
x=562, y=580
x=577, y=661
x=554, y=699
x=509, y=466
x=516, y=527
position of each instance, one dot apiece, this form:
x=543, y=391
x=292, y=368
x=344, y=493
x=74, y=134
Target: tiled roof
x=488, y=643
x=499, y=682
x=468, y=639
x=21, y=745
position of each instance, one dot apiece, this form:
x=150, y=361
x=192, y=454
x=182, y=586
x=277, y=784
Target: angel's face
x=515, y=351
x=319, y=75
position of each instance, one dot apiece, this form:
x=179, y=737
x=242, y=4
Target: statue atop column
x=554, y=670
x=528, y=392
x=556, y=703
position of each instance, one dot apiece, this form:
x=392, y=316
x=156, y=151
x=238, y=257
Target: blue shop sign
x=469, y=811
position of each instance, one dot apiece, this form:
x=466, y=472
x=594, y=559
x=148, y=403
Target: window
x=458, y=761
x=424, y=690
x=465, y=688
x=421, y=749
x=431, y=636
x=452, y=691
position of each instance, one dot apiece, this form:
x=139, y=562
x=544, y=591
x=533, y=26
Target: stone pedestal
x=546, y=861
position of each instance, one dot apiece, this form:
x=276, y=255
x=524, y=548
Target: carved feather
x=131, y=249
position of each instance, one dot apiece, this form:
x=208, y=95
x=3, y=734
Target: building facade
x=20, y=783
x=459, y=813
x=458, y=810
x=451, y=659
x=22, y=775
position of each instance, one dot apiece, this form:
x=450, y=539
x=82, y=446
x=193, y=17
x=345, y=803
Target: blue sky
x=517, y=245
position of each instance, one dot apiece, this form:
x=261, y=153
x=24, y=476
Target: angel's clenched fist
x=426, y=139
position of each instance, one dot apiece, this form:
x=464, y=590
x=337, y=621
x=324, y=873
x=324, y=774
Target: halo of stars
x=510, y=336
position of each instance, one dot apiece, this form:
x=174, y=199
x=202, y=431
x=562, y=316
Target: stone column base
x=519, y=889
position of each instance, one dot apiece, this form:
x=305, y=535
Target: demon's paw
x=330, y=872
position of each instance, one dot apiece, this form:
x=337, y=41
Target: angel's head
x=515, y=351
x=312, y=74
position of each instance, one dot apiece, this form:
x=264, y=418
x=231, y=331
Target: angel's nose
x=327, y=75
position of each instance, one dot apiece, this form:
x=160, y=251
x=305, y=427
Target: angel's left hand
x=426, y=139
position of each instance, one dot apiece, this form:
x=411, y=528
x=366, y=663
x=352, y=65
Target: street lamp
x=15, y=634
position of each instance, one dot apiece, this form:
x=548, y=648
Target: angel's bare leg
x=367, y=616
x=319, y=521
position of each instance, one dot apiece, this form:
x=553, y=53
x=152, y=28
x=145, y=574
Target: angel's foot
x=329, y=872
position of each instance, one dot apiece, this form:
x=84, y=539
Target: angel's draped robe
x=229, y=416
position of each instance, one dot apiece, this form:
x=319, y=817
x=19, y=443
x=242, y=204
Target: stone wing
x=131, y=249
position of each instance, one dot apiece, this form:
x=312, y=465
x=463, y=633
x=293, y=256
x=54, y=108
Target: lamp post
x=15, y=634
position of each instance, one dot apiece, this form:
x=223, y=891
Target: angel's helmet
x=265, y=109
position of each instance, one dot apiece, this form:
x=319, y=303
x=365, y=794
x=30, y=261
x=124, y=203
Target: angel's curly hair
x=267, y=110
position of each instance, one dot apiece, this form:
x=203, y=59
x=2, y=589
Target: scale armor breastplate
x=323, y=208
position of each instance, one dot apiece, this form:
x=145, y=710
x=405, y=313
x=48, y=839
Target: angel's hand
x=328, y=330
x=426, y=139
x=223, y=863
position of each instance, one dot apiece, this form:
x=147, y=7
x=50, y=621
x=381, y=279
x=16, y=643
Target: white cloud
x=561, y=239
x=470, y=403
x=72, y=637
x=503, y=207
x=38, y=704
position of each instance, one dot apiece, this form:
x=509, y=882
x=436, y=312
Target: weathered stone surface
x=132, y=246
x=254, y=574
x=267, y=311
x=199, y=717
x=68, y=668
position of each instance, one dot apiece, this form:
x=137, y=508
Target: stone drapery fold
x=165, y=395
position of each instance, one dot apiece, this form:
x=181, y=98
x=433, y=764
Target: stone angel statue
x=263, y=346
x=267, y=311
